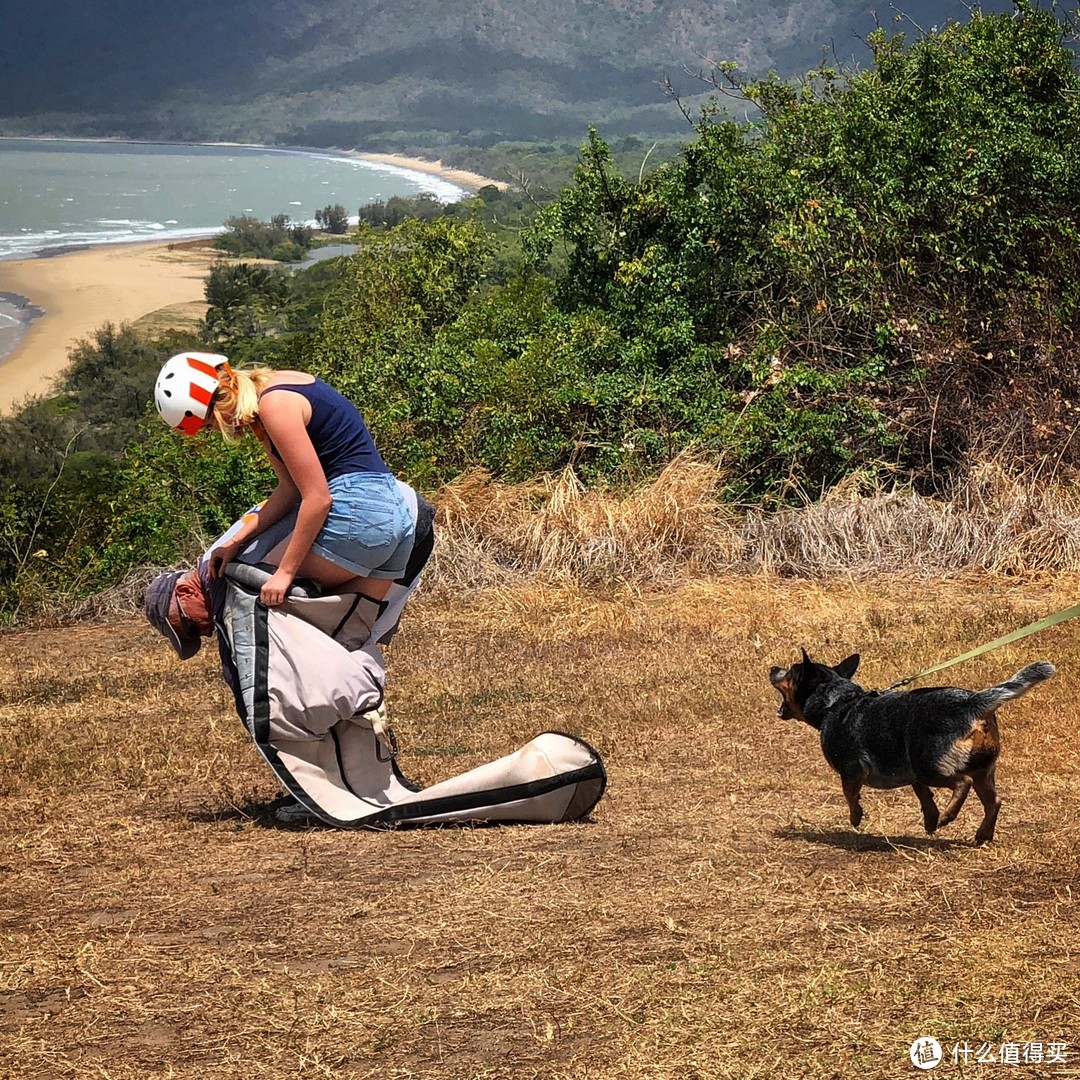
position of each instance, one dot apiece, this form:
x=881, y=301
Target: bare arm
x=280, y=501
x=284, y=416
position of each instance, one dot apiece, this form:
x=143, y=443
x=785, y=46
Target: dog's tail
x=1017, y=686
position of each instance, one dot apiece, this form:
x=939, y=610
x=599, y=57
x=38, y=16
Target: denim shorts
x=369, y=529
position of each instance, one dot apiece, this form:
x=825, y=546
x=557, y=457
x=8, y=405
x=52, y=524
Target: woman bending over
x=354, y=530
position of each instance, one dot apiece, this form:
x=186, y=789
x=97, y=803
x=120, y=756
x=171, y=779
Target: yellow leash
x=1016, y=635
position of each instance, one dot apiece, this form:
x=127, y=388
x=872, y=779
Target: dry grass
x=717, y=919
x=175, y=317
x=677, y=528
x=556, y=532
x=562, y=532
x=992, y=521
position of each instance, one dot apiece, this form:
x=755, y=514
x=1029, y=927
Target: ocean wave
x=443, y=190
x=27, y=244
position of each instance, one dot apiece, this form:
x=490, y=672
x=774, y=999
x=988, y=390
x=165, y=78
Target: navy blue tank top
x=337, y=431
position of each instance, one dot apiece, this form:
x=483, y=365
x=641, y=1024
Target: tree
x=277, y=239
x=397, y=208
x=334, y=219
x=245, y=301
x=109, y=377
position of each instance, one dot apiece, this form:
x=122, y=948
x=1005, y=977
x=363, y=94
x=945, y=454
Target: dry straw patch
x=676, y=528
x=560, y=531
x=717, y=918
x=991, y=521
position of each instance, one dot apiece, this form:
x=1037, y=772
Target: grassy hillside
x=355, y=72
x=717, y=919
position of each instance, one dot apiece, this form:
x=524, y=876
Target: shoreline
x=51, y=300
x=461, y=177
x=68, y=297
x=433, y=168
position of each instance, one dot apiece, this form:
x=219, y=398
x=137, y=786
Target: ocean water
x=61, y=194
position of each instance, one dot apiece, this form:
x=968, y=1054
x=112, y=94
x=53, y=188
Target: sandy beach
x=80, y=291
x=49, y=304
x=470, y=180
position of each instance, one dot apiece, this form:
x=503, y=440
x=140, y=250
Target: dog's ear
x=806, y=659
x=847, y=668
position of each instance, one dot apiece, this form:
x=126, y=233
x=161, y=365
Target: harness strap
x=380, y=724
x=1016, y=635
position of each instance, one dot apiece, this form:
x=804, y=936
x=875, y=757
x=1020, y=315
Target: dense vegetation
x=878, y=275
x=279, y=238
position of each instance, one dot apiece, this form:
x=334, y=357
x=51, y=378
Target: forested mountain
x=345, y=72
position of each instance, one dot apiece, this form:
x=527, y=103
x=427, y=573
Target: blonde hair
x=236, y=404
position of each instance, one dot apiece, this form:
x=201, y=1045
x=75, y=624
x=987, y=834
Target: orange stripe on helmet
x=203, y=366
x=190, y=425
x=200, y=394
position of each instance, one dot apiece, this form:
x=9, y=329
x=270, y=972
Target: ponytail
x=237, y=400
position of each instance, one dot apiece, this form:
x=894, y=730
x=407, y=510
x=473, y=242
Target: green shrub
x=897, y=249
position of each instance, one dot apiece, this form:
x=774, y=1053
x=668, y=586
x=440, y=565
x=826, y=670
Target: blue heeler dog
x=939, y=736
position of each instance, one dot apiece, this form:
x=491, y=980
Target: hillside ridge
x=348, y=71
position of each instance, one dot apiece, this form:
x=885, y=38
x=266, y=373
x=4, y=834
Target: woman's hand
x=220, y=557
x=275, y=590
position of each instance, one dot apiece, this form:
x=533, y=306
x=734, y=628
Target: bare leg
x=330, y=575
x=339, y=580
x=374, y=588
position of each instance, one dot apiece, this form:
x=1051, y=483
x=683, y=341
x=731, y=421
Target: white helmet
x=185, y=388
